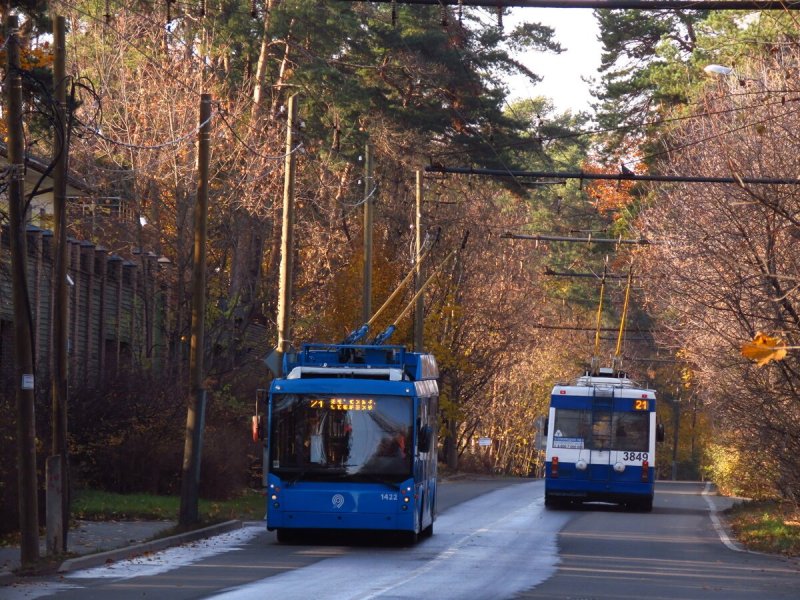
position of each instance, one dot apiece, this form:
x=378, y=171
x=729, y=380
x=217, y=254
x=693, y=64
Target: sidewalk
x=100, y=542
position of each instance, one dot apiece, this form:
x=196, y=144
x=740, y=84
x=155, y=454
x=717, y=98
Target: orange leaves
x=610, y=195
x=38, y=57
x=764, y=348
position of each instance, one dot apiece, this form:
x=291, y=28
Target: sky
x=576, y=30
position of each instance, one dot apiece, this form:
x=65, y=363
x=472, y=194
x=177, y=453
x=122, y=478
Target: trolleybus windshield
x=318, y=437
x=601, y=430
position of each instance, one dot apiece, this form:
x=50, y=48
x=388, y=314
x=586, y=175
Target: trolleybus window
x=631, y=431
x=571, y=428
x=601, y=430
x=354, y=437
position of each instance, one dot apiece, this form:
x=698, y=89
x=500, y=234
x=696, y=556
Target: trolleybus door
x=600, y=444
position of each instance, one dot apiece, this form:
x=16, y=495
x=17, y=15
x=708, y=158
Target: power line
x=173, y=142
x=611, y=176
x=576, y=328
x=551, y=273
x=633, y=127
x=617, y=4
x=560, y=238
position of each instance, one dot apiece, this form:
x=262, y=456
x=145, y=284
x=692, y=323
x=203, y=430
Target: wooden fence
x=118, y=309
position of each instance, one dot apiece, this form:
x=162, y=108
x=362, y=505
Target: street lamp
x=714, y=69
x=719, y=70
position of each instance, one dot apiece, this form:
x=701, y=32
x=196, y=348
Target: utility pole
x=451, y=443
x=57, y=463
x=195, y=418
x=676, y=406
x=419, y=309
x=369, y=208
x=23, y=334
x=287, y=241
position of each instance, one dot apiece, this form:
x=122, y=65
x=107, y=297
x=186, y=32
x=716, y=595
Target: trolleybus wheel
x=409, y=538
x=427, y=532
x=285, y=536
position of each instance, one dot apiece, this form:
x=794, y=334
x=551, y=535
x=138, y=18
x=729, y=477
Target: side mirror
x=257, y=427
x=425, y=438
x=660, y=432
x=258, y=419
x=546, y=425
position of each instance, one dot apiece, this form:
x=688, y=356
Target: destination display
x=343, y=403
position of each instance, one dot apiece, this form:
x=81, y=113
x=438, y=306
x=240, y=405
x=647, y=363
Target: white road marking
x=30, y=591
x=715, y=520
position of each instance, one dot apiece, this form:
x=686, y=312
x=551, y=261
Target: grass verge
x=95, y=505
x=772, y=527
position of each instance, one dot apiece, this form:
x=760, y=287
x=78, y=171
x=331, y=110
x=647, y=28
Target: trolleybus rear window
x=601, y=430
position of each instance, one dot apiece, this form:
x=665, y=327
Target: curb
x=102, y=558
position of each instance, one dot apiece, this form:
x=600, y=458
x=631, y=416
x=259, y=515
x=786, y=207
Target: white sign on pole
x=484, y=441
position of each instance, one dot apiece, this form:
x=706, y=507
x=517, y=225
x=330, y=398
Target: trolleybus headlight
x=406, y=499
x=619, y=467
x=581, y=465
x=274, y=496
x=276, y=505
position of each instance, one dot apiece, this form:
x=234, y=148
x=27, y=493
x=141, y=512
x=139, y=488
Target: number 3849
x=634, y=456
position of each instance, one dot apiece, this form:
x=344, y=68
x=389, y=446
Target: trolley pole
x=369, y=208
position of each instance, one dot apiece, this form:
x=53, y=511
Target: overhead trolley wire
x=615, y=4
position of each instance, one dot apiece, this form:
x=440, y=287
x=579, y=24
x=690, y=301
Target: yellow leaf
x=764, y=348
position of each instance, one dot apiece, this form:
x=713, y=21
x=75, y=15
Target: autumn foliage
x=610, y=196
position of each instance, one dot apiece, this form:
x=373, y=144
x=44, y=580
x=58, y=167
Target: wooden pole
x=23, y=346
x=195, y=418
x=419, y=309
x=57, y=473
x=287, y=240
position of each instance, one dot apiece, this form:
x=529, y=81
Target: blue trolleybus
x=351, y=441
x=601, y=442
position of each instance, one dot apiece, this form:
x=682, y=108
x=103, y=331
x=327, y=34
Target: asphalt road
x=493, y=539
x=675, y=552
